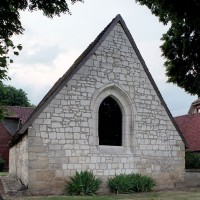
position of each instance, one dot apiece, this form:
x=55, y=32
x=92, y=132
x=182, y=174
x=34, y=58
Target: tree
x=181, y=43
x=10, y=96
x=10, y=24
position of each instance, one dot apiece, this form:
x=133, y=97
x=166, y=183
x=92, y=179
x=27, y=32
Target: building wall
x=64, y=137
x=4, y=139
x=18, y=159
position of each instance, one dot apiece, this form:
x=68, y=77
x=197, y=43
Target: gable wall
x=64, y=138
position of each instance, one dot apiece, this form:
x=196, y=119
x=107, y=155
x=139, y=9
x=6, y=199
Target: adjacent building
x=190, y=126
x=14, y=119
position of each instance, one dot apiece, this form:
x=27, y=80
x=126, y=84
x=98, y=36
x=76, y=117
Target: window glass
x=110, y=123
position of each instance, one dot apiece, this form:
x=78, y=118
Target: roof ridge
x=21, y=106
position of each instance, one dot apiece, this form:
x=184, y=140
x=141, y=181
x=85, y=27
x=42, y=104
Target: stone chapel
x=104, y=114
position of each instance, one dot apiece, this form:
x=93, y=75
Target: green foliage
x=129, y=183
x=2, y=160
x=6, y=45
x=144, y=183
x=3, y=110
x=192, y=160
x=181, y=45
x=83, y=183
x=121, y=184
x=10, y=96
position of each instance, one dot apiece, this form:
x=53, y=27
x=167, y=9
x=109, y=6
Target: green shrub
x=121, y=184
x=2, y=162
x=192, y=160
x=83, y=183
x=130, y=183
x=143, y=183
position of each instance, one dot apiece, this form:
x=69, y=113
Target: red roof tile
x=19, y=112
x=190, y=128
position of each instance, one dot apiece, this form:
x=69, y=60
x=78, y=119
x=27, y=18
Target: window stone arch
x=125, y=105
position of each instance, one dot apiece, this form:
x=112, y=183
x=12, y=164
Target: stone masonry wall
x=18, y=161
x=64, y=137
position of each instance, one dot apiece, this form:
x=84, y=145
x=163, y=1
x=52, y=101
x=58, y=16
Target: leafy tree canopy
x=181, y=43
x=10, y=96
x=10, y=24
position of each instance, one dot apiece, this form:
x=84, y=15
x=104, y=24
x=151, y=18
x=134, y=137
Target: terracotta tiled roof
x=19, y=112
x=190, y=128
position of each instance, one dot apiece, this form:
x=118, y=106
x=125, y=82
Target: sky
x=50, y=46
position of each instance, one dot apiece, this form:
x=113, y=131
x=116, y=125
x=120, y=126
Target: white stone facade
x=18, y=156
x=64, y=137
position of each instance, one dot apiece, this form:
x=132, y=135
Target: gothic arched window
x=110, y=123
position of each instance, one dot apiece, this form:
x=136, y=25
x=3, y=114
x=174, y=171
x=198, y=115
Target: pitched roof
x=193, y=105
x=190, y=127
x=19, y=112
x=80, y=61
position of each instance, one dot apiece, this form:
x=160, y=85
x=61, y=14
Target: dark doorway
x=110, y=123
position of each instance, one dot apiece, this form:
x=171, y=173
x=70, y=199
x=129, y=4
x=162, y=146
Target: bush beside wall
x=82, y=183
x=2, y=163
x=85, y=183
x=192, y=160
x=129, y=183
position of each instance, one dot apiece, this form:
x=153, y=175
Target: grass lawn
x=164, y=195
x=3, y=173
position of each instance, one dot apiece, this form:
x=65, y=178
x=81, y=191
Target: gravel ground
x=1, y=190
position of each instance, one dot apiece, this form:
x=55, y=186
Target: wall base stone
x=46, y=188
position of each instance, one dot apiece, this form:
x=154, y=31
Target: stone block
x=60, y=136
x=37, y=149
x=44, y=135
x=68, y=152
x=76, y=130
x=56, y=125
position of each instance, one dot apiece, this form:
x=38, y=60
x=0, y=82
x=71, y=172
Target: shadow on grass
x=3, y=173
